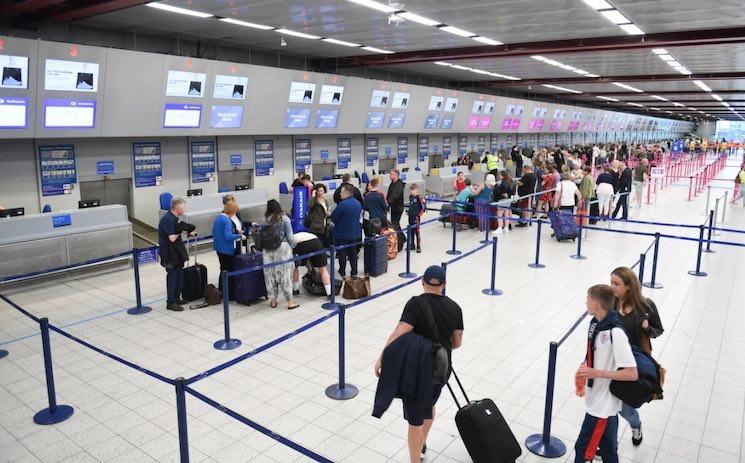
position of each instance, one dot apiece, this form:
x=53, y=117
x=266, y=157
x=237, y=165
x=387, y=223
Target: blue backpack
x=647, y=387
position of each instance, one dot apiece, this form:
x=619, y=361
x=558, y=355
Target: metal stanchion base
x=407, y=275
x=453, y=252
x=3, y=353
x=345, y=393
x=139, y=310
x=534, y=265
x=709, y=251
x=47, y=416
x=485, y=241
x=649, y=284
x=227, y=344
x=491, y=292
x=697, y=274
x=329, y=306
x=554, y=448
x=578, y=257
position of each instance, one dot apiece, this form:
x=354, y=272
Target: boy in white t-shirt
x=609, y=357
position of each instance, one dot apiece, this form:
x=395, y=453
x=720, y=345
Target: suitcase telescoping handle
x=193, y=248
x=460, y=385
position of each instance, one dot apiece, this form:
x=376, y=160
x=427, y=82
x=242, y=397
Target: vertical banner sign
x=299, y=208
x=462, y=145
x=494, y=143
x=482, y=143
x=343, y=153
x=371, y=151
x=147, y=164
x=447, y=143
x=402, y=150
x=423, y=148
x=302, y=155
x=264, y=157
x=57, y=169
x=202, y=161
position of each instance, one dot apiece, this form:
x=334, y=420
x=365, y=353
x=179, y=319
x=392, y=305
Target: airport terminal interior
x=363, y=231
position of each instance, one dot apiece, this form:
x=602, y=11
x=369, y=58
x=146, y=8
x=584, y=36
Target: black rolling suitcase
x=485, y=433
x=195, y=277
x=594, y=210
x=376, y=255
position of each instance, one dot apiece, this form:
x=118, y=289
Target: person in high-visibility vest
x=492, y=164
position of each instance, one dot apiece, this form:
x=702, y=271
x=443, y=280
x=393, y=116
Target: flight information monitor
x=185, y=84
x=14, y=71
x=230, y=87
x=331, y=94
x=13, y=113
x=301, y=92
x=182, y=116
x=70, y=76
x=69, y=114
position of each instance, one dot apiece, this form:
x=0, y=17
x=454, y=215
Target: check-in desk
x=201, y=211
x=409, y=178
x=41, y=242
x=440, y=181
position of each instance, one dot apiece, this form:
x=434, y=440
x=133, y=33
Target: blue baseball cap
x=434, y=275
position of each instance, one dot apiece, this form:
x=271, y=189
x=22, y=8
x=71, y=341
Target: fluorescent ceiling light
x=582, y=72
x=563, y=89
x=378, y=50
x=657, y=97
x=631, y=29
x=456, y=31
x=302, y=35
x=702, y=85
x=716, y=97
x=615, y=16
x=685, y=71
x=591, y=75
x=487, y=41
x=442, y=63
x=502, y=76
x=724, y=103
x=374, y=5
x=653, y=108
x=538, y=58
x=692, y=109
x=479, y=71
x=175, y=9
x=462, y=68
x=598, y=4
x=659, y=51
x=607, y=98
x=634, y=104
x=666, y=57
x=418, y=19
x=669, y=112
x=552, y=62
x=678, y=104
x=628, y=87
x=341, y=42
x=238, y=22
x=674, y=63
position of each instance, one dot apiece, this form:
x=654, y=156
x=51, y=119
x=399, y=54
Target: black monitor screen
x=14, y=212
x=241, y=187
x=195, y=192
x=89, y=203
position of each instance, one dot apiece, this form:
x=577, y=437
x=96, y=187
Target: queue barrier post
x=545, y=444
x=712, y=218
x=690, y=188
x=331, y=304
x=54, y=413
x=653, y=282
x=724, y=206
x=227, y=343
x=183, y=438
x=708, y=198
x=453, y=251
x=579, y=255
x=3, y=353
x=487, y=229
x=537, y=264
x=408, y=273
x=642, y=260
x=492, y=291
x=139, y=309
x=698, y=272
x=341, y=390
x=716, y=216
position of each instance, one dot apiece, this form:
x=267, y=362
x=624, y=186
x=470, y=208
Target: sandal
x=290, y=307
x=273, y=304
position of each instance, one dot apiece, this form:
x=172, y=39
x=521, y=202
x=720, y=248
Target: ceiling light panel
x=607, y=98
x=175, y=9
x=238, y=22
x=634, y=104
x=716, y=97
x=341, y=42
x=628, y=87
x=657, y=97
x=301, y=35
x=615, y=16
x=631, y=29
x=702, y=85
x=409, y=16
x=442, y=63
x=374, y=5
x=456, y=31
x=487, y=41
x=659, y=51
x=563, y=89
x=598, y=4
x=378, y=50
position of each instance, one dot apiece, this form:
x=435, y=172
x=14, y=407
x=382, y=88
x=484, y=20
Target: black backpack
x=440, y=358
x=269, y=236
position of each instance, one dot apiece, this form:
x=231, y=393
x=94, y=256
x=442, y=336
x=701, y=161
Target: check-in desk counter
x=409, y=178
x=42, y=242
x=201, y=211
x=440, y=181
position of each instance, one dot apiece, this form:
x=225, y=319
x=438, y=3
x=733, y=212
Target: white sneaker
x=506, y=229
x=498, y=231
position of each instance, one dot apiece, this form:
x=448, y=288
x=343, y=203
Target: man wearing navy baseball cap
x=447, y=331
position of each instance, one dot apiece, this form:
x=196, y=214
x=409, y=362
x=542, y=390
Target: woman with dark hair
x=318, y=213
x=641, y=322
x=279, y=277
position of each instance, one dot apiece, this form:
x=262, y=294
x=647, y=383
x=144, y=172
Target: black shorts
x=416, y=416
x=306, y=247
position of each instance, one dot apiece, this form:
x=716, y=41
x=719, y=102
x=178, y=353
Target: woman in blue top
x=224, y=237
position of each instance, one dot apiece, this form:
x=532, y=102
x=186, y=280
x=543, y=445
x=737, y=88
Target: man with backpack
x=438, y=319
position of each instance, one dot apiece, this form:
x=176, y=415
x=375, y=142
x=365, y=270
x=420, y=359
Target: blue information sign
x=105, y=167
x=148, y=170
x=423, y=148
x=202, y=161
x=302, y=155
x=324, y=155
x=343, y=152
x=147, y=256
x=264, y=157
x=236, y=160
x=57, y=169
x=447, y=142
x=371, y=151
x=388, y=151
x=61, y=220
x=402, y=150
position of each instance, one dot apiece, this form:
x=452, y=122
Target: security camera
x=282, y=42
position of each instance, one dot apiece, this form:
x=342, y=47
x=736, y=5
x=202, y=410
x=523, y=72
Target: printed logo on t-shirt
x=603, y=338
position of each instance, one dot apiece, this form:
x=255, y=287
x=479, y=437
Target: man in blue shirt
x=172, y=251
x=347, y=229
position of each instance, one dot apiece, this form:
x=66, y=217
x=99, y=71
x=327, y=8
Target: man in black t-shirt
x=448, y=332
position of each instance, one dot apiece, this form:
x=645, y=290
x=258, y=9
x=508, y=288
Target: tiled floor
x=122, y=415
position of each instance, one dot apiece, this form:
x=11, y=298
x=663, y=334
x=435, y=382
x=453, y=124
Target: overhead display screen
x=301, y=92
x=401, y=100
x=431, y=121
x=478, y=107
x=435, y=103
x=70, y=76
x=185, y=84
x=13, y=113
x=327, y=118
x=451, y=105
x=447, y=122
x=331, y=94
x=226, y=117
x=375, y=119
x=69, y=114
x=489, y=107
x=182, y=116
x=230, y=87
x=380, y=98
x=396, y=120
x=297, y=118
x=15, y=71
